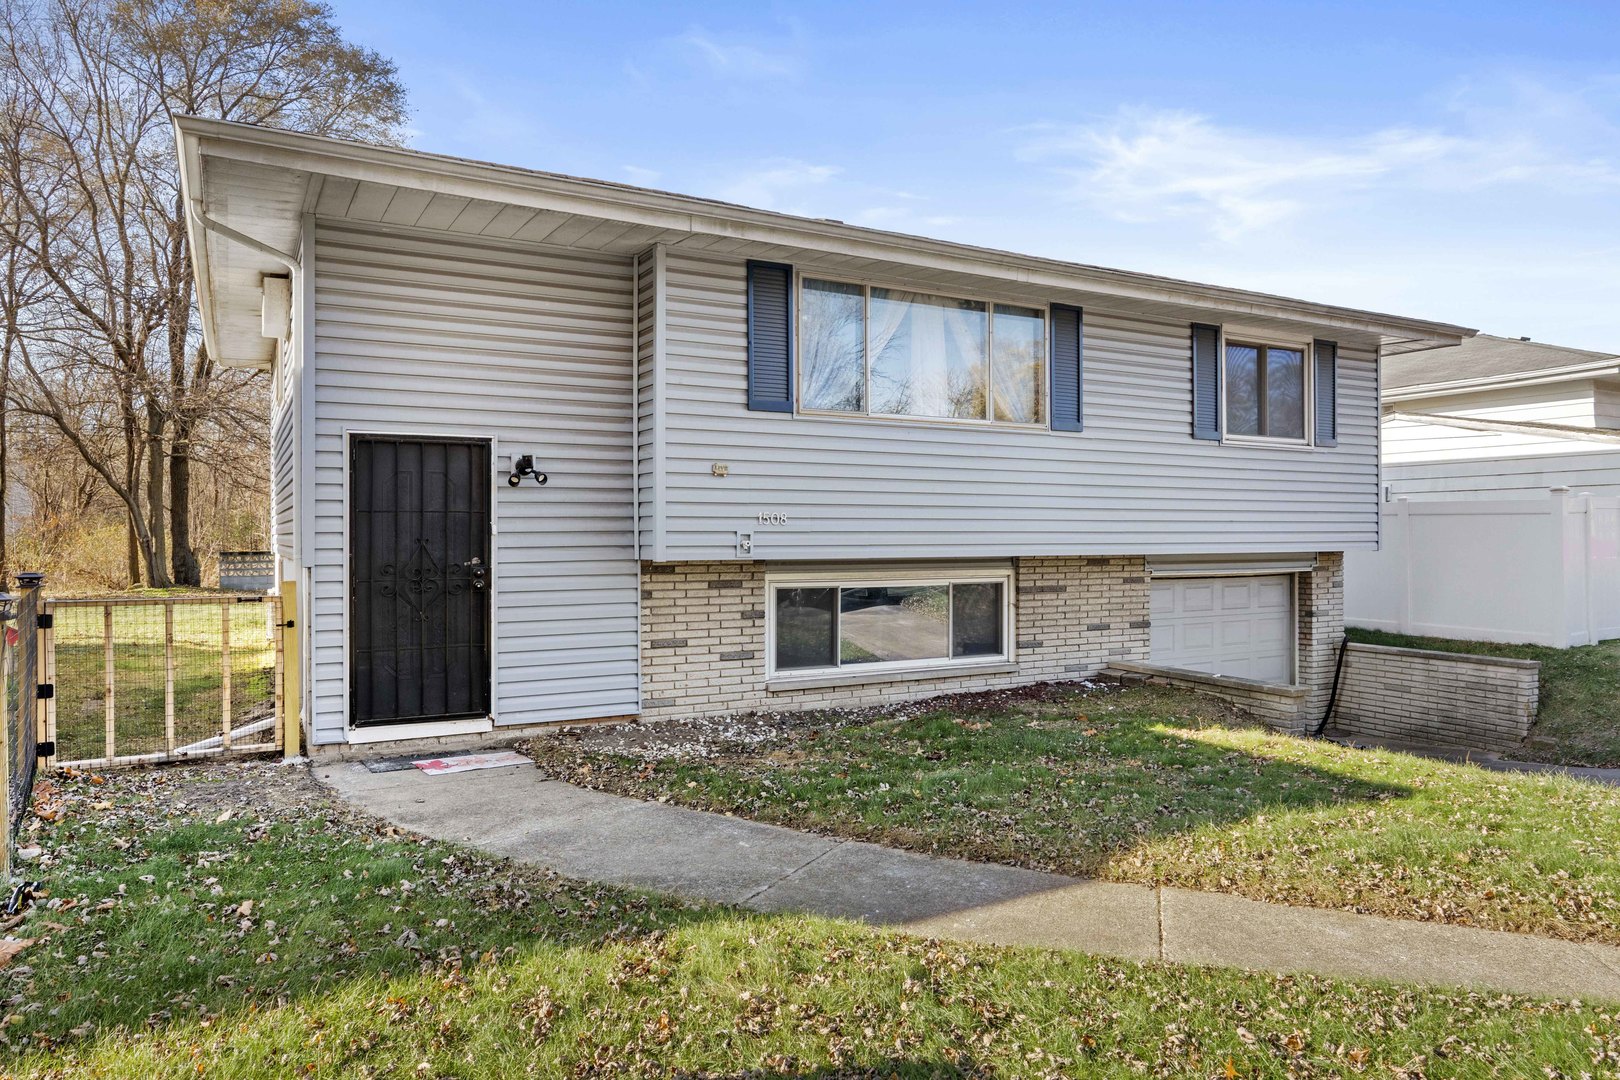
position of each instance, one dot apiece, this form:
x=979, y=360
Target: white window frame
x=1271, y=340
x=867, y=579
x=866, y=285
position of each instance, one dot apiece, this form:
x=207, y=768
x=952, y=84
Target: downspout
x=635, y=457
x=208, y=224
x=1333, y=694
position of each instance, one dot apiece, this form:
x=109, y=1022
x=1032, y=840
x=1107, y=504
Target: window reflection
x=832, y=346
x=891, y=352
x=1265, y=391
x=928, y=355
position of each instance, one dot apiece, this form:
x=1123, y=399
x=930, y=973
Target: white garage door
x=1240, y=626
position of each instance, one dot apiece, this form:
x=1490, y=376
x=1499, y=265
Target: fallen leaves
x=11, y=948
x=1151, y=786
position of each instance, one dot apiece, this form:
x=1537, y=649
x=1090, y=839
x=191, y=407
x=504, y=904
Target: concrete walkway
x=519, y=813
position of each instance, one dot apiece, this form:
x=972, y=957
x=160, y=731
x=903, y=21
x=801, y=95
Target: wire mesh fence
x=141, y=680
x=22, y=661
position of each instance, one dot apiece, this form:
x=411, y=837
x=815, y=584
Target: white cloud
x=1145, y=165
x=736, y=59
x=486, y=120
x=638, y=174
x=902, y=219
x=777, y=185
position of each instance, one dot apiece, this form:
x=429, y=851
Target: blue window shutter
x=770, y=337
x=1327, y=392
x=1206, y=381
x=1067, y=362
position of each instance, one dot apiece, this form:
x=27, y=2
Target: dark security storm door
x=419, y=578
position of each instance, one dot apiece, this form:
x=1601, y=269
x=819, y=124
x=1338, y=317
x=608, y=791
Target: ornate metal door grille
x=419, y=587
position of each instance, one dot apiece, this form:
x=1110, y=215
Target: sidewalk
x=519, y=813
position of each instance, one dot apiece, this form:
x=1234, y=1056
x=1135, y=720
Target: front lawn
x=1578, y=721
x=230, y=920
x=1148, y=785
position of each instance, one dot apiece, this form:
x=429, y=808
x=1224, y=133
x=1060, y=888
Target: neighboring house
x=788, y=462
x=1490, y=449
x=1498, y=418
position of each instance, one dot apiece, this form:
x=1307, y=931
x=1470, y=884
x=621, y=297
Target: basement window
x=826, y=625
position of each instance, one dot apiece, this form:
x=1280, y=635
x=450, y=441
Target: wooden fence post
x=289, y=717
x=168, y=677
x=109, y=692
x=225, y=676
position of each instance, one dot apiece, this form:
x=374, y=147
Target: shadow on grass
x=333, y=946
x=1026, y=778
x=896, y=1068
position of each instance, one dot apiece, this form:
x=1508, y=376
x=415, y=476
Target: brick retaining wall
x=1439, y=698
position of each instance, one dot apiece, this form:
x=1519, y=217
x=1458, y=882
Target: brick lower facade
x=703, y=638
x=1320, y=604
x=1437, y=698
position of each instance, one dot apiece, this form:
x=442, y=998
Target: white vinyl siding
x=423, y=334
x=1581, y=467
x=647, y=336
x=1134, y=482
x=1237, y=626
x=1606, y=406
x=283, y=457
x=1570, y=402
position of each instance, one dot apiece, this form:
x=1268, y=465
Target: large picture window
x=888, y=352
x=1265, y=391
x=826, y=626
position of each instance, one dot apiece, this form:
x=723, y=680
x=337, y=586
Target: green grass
x=151, y=967
x=139, y=681
x=1168, y=787
x=1578, y=720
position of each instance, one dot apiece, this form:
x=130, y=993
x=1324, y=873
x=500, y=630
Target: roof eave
x=522, y=187
x=1610, y=366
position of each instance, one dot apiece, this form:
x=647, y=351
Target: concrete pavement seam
x=833, y=846
x=1158, y=902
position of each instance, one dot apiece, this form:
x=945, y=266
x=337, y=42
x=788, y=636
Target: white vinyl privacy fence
x=1542, y=570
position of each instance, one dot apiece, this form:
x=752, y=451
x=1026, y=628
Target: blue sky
x=1452, y=161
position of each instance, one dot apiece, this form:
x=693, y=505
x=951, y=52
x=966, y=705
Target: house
x=1501, y=462
x=1498, y=418
x=558, y=450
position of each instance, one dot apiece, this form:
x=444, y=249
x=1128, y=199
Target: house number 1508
x=772, y=517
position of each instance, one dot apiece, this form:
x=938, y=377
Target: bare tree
x=87, y=157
